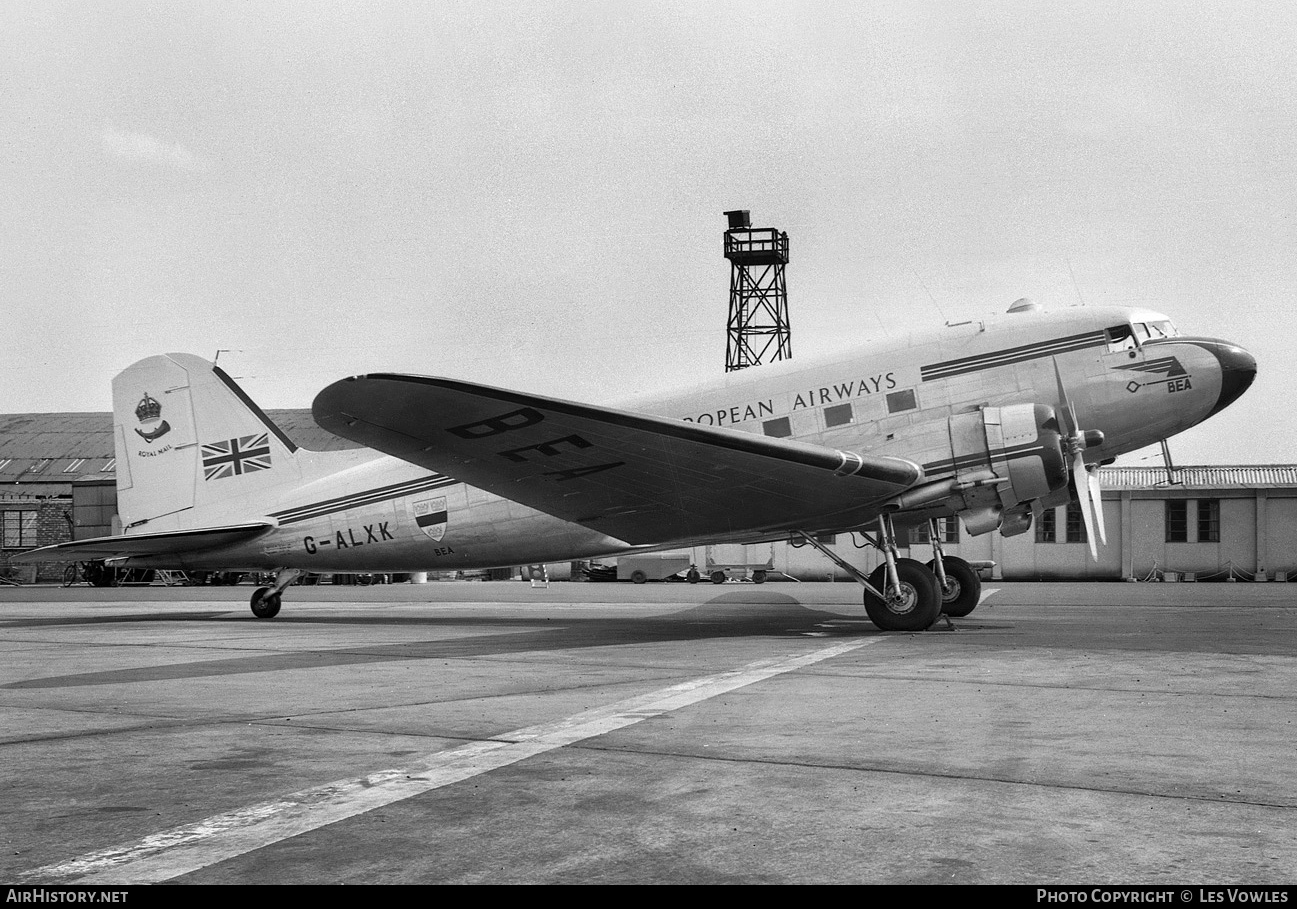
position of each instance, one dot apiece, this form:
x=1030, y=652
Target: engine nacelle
x=1004, y=458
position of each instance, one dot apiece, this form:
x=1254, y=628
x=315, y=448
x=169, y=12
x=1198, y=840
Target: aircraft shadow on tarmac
x=725, y=616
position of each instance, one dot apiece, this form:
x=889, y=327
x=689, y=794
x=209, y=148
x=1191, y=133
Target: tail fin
x=192, y=447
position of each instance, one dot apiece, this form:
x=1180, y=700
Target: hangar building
x=57, y=483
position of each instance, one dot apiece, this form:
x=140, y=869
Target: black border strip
x=252, y=406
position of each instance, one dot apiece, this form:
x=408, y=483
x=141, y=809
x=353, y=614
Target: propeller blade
x=1067, y=413
x=1081, y=478
x=1096, y=502
x=1085, y=480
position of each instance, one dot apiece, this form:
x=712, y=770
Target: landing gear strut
x=901, y=594
x=267, y=600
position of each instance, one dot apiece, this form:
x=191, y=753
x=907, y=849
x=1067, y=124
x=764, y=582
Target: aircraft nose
x=1237, y=370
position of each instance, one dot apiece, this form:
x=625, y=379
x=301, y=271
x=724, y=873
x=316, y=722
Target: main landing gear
x=904, y=594
x=959, y=583
x=267, y=600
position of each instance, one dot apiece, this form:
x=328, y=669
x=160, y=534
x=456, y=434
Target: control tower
x=758, y=323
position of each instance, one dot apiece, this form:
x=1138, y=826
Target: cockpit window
x=1163, y=329
x=1120, y=337
x=1141, y=332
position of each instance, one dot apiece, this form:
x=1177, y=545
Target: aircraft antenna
x=758, y=322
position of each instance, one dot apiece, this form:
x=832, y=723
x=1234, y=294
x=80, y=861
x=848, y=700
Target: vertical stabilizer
x=192, y=448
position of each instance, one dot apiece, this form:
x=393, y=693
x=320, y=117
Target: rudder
x=191, y=445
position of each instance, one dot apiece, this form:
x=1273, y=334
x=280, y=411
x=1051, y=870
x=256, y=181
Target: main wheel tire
x=912, y=608
x=963, y=588
x=265, y=603
x=638, y=577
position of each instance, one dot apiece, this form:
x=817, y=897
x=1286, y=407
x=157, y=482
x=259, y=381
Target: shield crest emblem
x=430, y=515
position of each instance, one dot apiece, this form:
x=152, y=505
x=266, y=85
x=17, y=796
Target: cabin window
x=1177, y=521
x=898, y=401
x=837, y=415
x=780, y=428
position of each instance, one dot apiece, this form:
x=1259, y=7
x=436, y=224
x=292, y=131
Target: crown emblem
x=148, y=410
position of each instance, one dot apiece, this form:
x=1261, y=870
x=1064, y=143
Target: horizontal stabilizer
x=173, y=542
x=639, y=478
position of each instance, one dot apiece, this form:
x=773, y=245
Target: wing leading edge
x=642, y=479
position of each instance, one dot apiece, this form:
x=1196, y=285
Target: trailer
x=738, y=560
x=654, y=566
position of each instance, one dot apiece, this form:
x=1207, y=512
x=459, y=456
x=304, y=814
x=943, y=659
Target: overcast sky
x=531, y=194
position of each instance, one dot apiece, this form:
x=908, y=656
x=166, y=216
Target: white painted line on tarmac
x=986, y=594
x=191, y=847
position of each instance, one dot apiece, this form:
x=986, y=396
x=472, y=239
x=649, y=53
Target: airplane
x=991, y=420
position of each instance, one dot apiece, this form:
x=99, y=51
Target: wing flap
x=164, y=543
x=639, y=478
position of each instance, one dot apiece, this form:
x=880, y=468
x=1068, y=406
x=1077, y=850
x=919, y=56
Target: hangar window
x=1209, y=520
x=898, y=401
x=1177, y=521
x=74, y=466
x=1047, y=528
x=18, y=529
x=837, y=415
x=780, y=428
x=947, y=527
x=1075, y=524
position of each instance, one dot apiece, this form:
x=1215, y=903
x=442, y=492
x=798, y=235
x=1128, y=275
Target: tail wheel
x=265, y=603
x=914, y=606
x=963, y=588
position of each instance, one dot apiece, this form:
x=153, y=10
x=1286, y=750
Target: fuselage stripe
x=978, y=459
x=382, y=494
x=1012, y=355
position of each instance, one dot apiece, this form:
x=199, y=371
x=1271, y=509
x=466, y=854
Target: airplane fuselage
x=1125, y=372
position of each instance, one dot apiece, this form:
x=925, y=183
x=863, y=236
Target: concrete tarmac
x=469, y=732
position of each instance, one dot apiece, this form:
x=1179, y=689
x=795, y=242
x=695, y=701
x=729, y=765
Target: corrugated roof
x=1259, y=476
x=64, y=447
x=90, y=435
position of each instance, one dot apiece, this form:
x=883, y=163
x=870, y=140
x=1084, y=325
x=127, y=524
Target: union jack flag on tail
x=246, y=454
